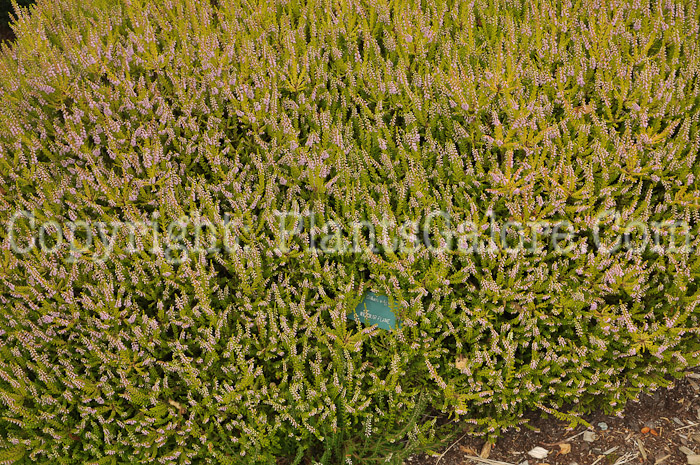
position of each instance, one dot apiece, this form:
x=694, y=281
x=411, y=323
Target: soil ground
x=5, y=33
x=662, y=428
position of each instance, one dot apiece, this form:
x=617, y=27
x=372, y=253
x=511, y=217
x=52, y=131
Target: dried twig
x=687, y=426
x=567, y=439
x=626, y=458
x=447, y=450
x=487, y=461
x=610, y=451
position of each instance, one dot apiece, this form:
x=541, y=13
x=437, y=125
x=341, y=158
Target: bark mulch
x=662, y=428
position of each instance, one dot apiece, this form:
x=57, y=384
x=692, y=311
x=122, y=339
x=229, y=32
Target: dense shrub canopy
x=117, y=346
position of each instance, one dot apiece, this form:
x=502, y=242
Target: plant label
x=374, y=310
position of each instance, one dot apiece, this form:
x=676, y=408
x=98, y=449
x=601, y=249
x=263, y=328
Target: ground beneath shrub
x=661, y=429
x=6, y=33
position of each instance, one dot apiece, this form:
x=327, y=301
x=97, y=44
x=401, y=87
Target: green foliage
x=127, y=345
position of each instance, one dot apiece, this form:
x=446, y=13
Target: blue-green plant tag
x=374, y=310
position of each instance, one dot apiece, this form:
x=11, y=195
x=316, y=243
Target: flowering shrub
x=542, y=156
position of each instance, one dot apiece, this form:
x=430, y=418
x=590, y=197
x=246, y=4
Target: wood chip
x=461, y=362
x=564, y=448
x=694, y=385
x=693, y=460
x=468, y=450
x=662, y=459
x=486, y=450
x=642, y=451
x=686, y=451
x=538, y=453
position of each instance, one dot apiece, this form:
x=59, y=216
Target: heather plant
x=179, y=177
